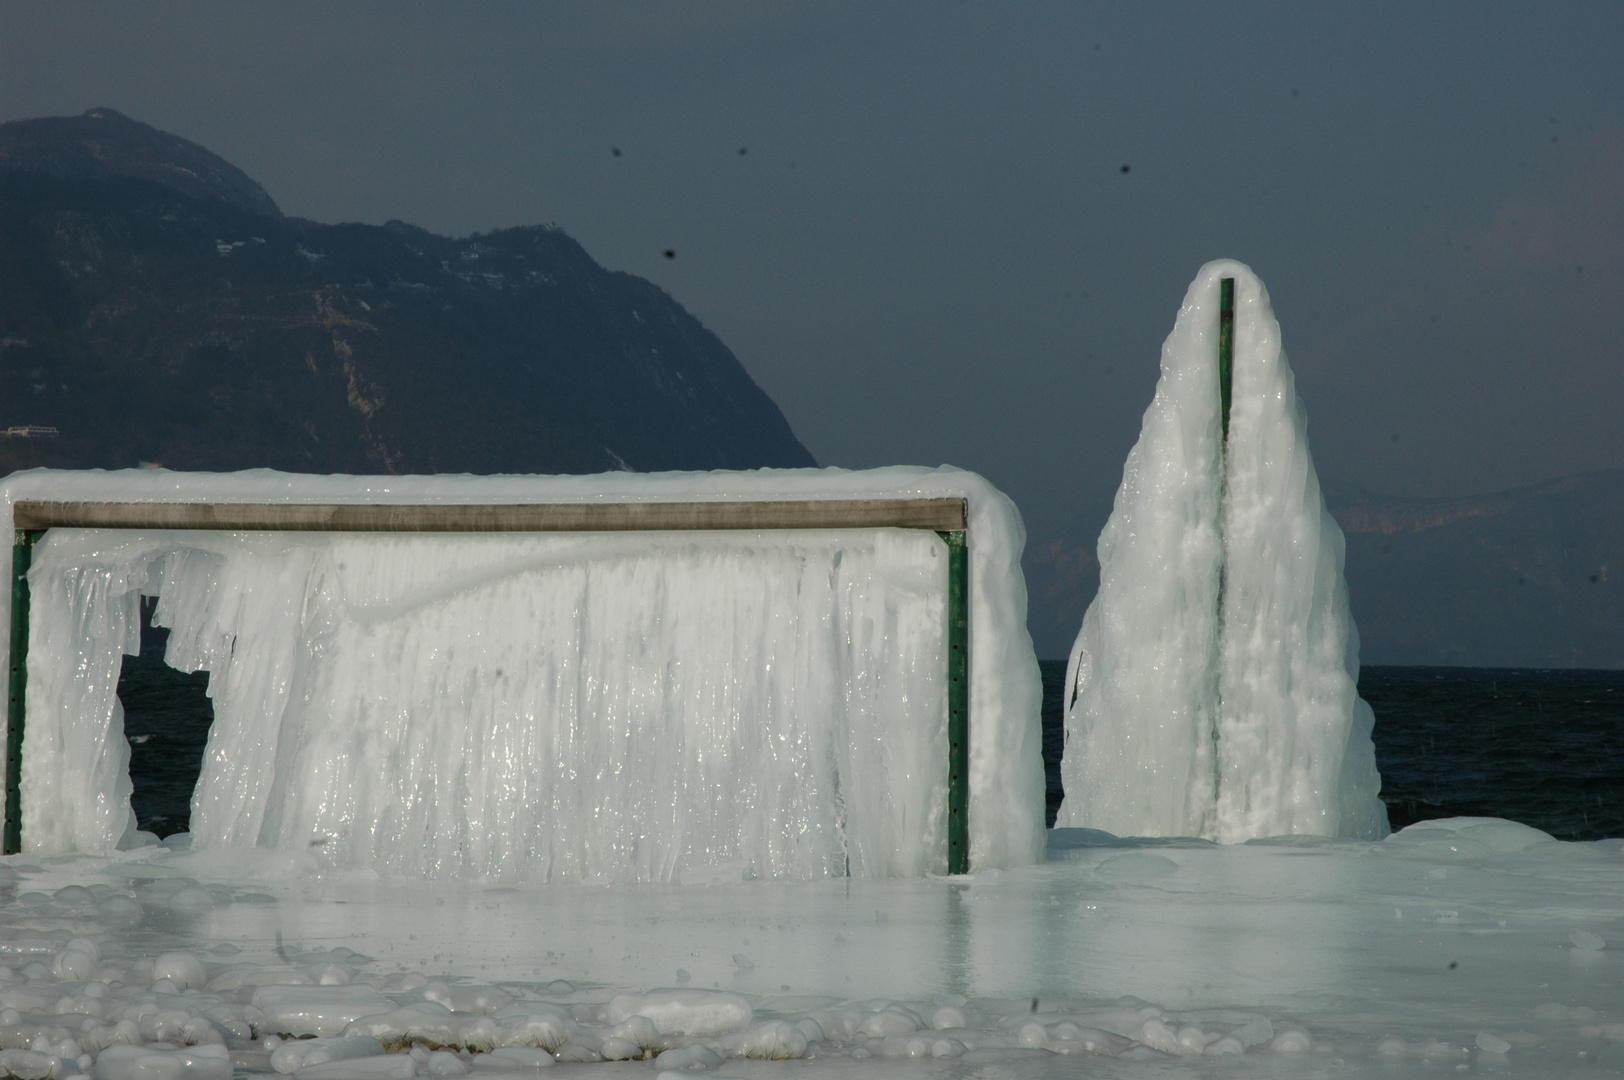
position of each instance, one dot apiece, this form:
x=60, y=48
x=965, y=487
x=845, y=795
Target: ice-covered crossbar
x=613, y=678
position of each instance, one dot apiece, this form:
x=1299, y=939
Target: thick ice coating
x=1212, y=689
x=653, y=707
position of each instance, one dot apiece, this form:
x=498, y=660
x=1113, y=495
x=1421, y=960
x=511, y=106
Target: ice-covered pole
x=1226, y=347
x=1214, y=681
x=22, y=551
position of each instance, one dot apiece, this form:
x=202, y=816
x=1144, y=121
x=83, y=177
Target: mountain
x=1062, y=576
x=1529, y=577
x=102, y=144
x=157, y=307
x=1526, y=577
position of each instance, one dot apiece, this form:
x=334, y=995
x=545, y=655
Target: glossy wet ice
x=1475, y=943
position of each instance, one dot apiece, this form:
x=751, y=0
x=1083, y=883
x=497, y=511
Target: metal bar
x=1226, y=346
x=958, y=702
x=936, y=513
x=22, y=556
x=1226, y=373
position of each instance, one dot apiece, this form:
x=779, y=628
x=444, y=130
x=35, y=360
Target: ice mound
x=1212, y=688
x=1472, y=839
x=154, y=1063
x=628, y=707
x=317, y=1010
x=301, y=1053
x=683, y=1012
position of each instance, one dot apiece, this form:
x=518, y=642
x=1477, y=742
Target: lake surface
x=1543, y=747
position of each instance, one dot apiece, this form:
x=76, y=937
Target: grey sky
x=930, y=251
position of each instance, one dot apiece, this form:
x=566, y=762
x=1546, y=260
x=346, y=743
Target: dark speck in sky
x=1125, y=168
x=615, y=150
x=1294, y=93
x=672, y=255
x=743, y=150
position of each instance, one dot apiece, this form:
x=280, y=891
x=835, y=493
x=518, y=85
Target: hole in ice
x=167, y=714
x=1054, y=740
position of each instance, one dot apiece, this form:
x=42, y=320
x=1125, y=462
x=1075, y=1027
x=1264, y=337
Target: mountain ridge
x=101, y=143
x=1522, y=577
x=148, y=324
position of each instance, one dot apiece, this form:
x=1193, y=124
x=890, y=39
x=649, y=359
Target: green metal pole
x=1226, y=373
x=958, y=702
x=1226, y=345
x=22, y=556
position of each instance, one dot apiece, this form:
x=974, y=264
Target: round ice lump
x=151, y=1063
x=699, y=1013
x=318, y=1010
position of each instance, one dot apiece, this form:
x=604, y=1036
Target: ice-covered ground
x=1468, y=946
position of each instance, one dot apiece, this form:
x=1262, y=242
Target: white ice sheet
x=1470, y=945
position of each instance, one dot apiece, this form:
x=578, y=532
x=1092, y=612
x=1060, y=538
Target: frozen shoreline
x=1428, y=950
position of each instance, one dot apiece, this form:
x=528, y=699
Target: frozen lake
x=1470, y=946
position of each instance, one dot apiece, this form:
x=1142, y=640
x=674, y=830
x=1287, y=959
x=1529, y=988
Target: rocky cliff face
x=155, y=306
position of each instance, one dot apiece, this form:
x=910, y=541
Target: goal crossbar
x=947, y=517
x=942, y=515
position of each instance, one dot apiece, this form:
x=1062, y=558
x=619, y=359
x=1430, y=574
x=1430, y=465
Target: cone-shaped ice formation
x=1211, y=691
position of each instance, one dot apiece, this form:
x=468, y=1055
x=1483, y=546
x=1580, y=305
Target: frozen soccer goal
x=682, y=677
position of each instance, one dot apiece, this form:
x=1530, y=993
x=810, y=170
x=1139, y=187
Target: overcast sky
x=958, y=232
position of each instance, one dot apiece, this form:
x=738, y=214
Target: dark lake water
x=1545, y=748
x=167, y=714
x=1542, y=747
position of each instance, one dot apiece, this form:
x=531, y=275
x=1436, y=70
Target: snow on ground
x=1469, y=946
